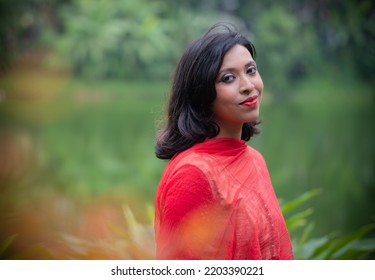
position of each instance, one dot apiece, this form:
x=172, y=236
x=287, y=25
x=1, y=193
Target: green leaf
x=292, y=205
x=306, y=233
x=313, y=248
x=303, y=239
x=298, y=219
x=352, y=254
x=343, y=244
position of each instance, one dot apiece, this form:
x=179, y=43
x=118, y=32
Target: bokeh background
x=82, y=91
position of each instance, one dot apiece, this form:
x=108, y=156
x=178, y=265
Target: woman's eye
x=227, y=78
x=251, y=70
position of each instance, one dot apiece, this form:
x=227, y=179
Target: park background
x=82, y=91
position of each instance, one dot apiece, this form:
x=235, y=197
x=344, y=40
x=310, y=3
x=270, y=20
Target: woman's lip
x=251, y=101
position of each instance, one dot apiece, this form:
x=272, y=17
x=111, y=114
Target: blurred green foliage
x=284, y=60
x=322, y=137
x=356, y=245
x=126, y=39
x=143, y=39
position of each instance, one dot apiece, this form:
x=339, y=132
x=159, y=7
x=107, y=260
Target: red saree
x=216, y=201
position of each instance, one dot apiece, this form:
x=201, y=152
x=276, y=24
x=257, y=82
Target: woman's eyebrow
x=233, y=69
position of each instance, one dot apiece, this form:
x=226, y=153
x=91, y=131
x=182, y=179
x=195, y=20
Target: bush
x=333, y=246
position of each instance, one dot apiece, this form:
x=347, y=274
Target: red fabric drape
x=216, y=201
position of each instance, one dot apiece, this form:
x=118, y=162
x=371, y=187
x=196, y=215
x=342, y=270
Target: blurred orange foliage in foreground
x=48, y=225
x=37, y=220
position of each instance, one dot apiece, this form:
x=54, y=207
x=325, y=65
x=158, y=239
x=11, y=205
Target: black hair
x=189, y=113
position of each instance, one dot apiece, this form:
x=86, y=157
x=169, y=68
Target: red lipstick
x=250, y=102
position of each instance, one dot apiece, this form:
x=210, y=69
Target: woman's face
x=239, y=90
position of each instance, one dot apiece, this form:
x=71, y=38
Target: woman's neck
x=230, y=132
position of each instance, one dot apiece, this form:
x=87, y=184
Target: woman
x=215, y=199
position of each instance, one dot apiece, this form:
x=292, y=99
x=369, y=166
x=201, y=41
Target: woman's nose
x=246, y=85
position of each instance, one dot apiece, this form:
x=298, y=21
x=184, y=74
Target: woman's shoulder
x=192, y=163
x=180, y=180
x=254, y=151
x=256, y=157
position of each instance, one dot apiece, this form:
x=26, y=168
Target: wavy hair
x=189, y=112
